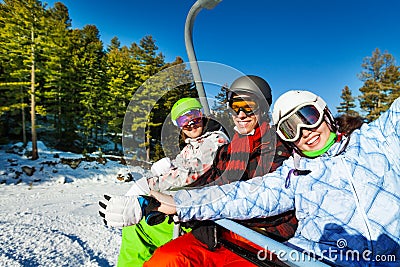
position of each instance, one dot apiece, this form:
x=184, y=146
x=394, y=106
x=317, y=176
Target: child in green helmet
x=202, y=137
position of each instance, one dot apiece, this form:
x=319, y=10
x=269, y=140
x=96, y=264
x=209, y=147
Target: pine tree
x=391, y=84
x=22, y=33
x=115, y=44
x=149, y=108
x=220, y=103
x=148, y=63
x=57, y=67
x=120, y=88
x=347, y=104
x=90, y=81
x=220, y=111
x=379, y=76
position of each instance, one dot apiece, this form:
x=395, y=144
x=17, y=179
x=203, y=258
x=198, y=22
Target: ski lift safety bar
x=290, y=256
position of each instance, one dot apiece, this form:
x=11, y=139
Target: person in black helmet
x=254, y=150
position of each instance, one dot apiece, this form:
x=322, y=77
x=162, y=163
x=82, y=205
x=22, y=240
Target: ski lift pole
x=288, y=255
x=194, y=10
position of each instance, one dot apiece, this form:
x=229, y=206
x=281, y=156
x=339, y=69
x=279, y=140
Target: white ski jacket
x=348, y=203
x=195, y=158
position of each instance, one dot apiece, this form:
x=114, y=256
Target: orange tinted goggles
x=249, y=107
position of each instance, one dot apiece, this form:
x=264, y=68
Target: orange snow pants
x=188, y=251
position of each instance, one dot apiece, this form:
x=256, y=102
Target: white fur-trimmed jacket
x=195, y=158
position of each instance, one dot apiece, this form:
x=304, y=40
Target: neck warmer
x=331, y=140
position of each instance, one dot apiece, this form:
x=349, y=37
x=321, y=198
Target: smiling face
x=245, y=123
x=194, y=131
x=313, y=139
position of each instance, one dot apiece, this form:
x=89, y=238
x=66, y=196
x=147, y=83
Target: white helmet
x=295, y=110
x=292, y=99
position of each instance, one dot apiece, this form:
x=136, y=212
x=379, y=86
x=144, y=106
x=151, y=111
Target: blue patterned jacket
x=348, y=206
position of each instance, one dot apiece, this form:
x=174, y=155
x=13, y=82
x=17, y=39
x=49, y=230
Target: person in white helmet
x=344, y=187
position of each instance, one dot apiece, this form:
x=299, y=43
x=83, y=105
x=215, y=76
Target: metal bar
x=287, y=254
x=196, y=8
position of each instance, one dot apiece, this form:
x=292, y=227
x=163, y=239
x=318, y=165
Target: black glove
x=152, y=217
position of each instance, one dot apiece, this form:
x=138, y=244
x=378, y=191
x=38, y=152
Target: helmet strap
x=330, y=120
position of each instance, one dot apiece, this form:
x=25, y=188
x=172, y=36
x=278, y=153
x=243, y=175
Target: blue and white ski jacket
x=348, y=205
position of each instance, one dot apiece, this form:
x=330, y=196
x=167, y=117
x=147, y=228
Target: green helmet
x=184, y=105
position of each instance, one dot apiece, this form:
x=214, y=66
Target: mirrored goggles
x=193, y=124
x=248, y=106
x=186, y=118
x=306, y=116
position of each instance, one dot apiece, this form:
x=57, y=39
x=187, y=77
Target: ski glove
x=121, y=211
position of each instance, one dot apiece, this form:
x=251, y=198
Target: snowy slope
x=51, y=218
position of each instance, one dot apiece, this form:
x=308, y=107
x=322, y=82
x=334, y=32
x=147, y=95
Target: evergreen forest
x=65, y=86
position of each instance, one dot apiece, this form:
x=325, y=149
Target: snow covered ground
x=51, y=217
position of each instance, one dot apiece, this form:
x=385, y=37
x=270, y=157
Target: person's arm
x=385, y=130
x=167, y=202
x=389, y=122
x=258, y=197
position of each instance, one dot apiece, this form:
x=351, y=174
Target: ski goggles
x=248, y=106
x=189, y=120
x=193, y=124
x=305, y=116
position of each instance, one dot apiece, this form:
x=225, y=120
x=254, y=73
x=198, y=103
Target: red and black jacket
x=243, y=158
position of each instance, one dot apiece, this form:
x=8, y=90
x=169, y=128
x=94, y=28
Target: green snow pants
x=141, y=240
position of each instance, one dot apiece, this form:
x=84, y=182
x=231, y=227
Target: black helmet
x=252, y=84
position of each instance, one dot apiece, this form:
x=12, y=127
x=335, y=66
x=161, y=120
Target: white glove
x=161, y=167
x=120, y=211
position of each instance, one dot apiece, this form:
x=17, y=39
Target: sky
x=311, y=45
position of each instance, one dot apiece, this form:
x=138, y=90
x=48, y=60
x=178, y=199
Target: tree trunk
x=24, y=139
x=59, y=115
x=148, y=147
x=35, y=154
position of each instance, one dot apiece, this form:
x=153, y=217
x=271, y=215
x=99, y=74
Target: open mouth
x=313, y=141
x=243, y=123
